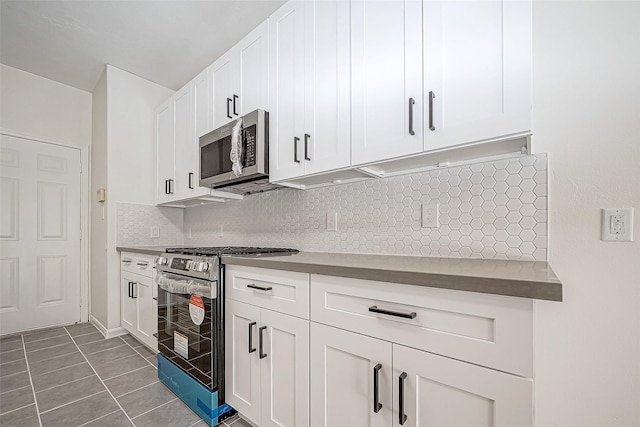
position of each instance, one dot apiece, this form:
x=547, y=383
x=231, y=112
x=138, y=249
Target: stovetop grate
x=231, y=250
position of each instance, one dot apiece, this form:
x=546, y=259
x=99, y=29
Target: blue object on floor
x=200, y=399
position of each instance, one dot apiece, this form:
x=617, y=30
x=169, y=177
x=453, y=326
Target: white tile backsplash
x=494, y=209
x=134, y=222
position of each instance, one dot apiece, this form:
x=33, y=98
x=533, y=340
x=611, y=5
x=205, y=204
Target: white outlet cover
x=155, y=231
x=617, y=225
x=332, y=221
x=431, y=215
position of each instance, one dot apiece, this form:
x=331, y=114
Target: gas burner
x=231, y=250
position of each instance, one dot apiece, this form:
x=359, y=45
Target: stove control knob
x=162, y=261
x=204, y=266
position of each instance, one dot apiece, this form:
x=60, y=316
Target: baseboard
x=108, y=333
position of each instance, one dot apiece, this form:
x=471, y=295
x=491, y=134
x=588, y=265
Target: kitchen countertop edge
x=146, y=250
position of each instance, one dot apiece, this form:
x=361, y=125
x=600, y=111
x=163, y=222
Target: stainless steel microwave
x=217, y=166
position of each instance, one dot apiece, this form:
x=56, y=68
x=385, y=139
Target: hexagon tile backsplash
x=134, y=222
x=494, y=209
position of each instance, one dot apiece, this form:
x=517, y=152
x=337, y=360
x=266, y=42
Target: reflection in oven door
x=185, y=342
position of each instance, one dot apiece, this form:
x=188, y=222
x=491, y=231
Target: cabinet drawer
x=137, y=263
x=487, y=330
x=283, y=291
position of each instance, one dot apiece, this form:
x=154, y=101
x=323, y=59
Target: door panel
x=478, y=64
x=386, y=73
x=435, y=386
x=144, y=309
x=342, y=386
x=285, y=371
x=165, y=165
x=40, y=234
x=184, y=140
x=129, y=309
x=223, y=75
x=286, y=90
x=253, y=54
x=242, y=368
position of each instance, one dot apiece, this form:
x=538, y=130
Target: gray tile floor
x=72, y=376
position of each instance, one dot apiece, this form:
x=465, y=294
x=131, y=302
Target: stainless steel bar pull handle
x=235, y=98
x=228, y=108
x=142, y=263
x=295, y=149
x=260, y=288
x=431, y=97
x=190, y=180
x=375, y=309
x=402, y=417
x=126, y=260
x=170, y=186
x=376, y=392
x=411, y=104
x=260, y=343
x=251, y=347
x=306, y=146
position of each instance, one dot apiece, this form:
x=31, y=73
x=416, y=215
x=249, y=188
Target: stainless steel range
x=191, y=324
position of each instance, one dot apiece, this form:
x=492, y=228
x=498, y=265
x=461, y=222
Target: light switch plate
x=431, y=215
x=155, y=231
x=617, y=224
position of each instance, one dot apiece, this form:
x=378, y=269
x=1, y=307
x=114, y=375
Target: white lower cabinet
x=138, y=306
x=267, y=365
x=344, y=367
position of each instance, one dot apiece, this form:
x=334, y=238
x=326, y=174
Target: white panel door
x=284, y=370
x=252, y=90
x=386, y=37
x=39, y=234
x=343, y=371
x=286, y=90
x=477, y=65
x=242, y=364
x=327, y=138
x=129, y=308
x=143, y=296
x=223, y=76
x=165, y=165
x=184, y=142
x=439, y=391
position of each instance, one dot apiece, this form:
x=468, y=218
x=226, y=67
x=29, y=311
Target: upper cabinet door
x=164, y=151
x=477, y=62
x=286, y=90
x=252, y=91
x=183, y=141
x=223, y=76
x=327, y=138
x=386, y=43
x=203, y=104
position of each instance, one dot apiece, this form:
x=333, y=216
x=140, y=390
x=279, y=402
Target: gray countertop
x=526, y=279
x=147, y=250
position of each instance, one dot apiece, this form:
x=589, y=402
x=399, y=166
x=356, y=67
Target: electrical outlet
x=431, y=215
x=617, y=225
x=155, y=231
x=332, y=221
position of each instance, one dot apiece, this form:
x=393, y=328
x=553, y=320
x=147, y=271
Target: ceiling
x=165, y=41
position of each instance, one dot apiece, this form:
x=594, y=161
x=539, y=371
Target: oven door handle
x=251, y=347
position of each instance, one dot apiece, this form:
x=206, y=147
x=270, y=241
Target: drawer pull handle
x=376, y=398
x=251, y=347
x=375, y=309
x=155, y=299
x=142, y=263
x=402, y=417
x=260, y=288
x=262, y=354
x=126, y=260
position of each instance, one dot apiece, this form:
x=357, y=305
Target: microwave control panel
x=250, y=146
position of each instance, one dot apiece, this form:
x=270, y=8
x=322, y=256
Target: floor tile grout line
x=139, y=388
x=100, y=351
x=15, y=389
x=16, y=409
x=99, y=418
x=125, y=373
x=54, y=357
x=59, y=369
x=153, y=409
x=46, y=348
x=47, y=338
x=10, y=375
x=103, y=384
x=134, y=349
x=35, y=401
x=58, y=385
x=73, y=401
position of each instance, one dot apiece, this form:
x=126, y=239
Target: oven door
x=215, y=150
x=187, y=331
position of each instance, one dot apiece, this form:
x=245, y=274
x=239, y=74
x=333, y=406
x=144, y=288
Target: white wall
x=99, y=227
x=123, y=163
x=34, y=106
x=587, y=116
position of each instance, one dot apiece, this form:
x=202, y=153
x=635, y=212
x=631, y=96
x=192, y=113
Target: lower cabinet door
x=284, y=370
x=431, y=390
x=344, y=387
x=129, y=309
x=143, y=295
x=242, y=363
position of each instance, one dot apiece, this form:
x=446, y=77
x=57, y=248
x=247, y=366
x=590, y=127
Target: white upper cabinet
x=477, y=70
x=203, y=104
x=185, y=150
x=309, y=88
x=165, y=171
x=239, y=77
x=386, y=97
